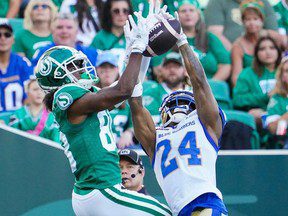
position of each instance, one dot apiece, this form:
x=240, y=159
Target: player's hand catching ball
x=182, y=37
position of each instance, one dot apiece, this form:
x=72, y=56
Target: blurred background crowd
x=242, y=45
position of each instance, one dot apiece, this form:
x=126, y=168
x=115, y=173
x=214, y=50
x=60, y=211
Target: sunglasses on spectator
x=43, y=6
x=5, y=34
x=117, y=11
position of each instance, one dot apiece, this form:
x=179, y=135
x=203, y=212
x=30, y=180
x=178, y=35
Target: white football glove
x=156, y=13
x=139, y=34
x=182, y=37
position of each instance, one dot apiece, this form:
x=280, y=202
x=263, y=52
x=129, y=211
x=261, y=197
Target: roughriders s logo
x=45, y=67
x=64, y=100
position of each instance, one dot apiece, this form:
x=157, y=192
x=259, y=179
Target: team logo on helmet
x=45, y=67
x=64, y=100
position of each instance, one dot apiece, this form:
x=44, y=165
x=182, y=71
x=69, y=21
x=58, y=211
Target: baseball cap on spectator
x=172, y=57
x=132, y=155
x=107, y=57
x=257, y=5
x=4, y=23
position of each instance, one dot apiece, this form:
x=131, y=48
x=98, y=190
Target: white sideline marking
x=31, y=136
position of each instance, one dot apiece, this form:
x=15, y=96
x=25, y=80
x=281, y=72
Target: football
x=162, y=37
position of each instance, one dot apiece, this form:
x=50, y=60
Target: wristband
x=138, y=90
x=182, y=42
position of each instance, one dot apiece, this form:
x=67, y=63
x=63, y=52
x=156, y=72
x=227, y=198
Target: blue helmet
x=176, y=106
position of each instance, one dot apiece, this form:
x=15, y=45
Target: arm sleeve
x=144, y=68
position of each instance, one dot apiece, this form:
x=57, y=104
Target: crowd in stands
x=242, y=45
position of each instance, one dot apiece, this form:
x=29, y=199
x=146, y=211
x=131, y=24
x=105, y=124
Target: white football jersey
x=184, y=162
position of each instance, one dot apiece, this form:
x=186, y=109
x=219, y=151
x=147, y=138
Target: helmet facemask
x=176, y=107
x=80, y=64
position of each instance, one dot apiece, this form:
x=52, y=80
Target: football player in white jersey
x=184, y=150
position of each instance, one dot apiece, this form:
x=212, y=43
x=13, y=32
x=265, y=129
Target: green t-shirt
x=107, y=40
x=23, y=120
x=227, y=14
x=247, y=60
x=251, y=91
x=29, y=43
x=121, y=118
x=216, y=54
x=278, y=106
x=90, y=146
x=4, y=5
x=282, y=17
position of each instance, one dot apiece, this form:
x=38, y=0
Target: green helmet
x=56, y=67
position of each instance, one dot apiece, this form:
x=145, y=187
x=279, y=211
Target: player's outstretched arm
x=143, y=124
x=107, y=98
x=207, y=107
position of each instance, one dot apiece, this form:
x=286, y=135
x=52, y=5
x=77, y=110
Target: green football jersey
x=90, y=146
x=23, y=120
x=121, y=120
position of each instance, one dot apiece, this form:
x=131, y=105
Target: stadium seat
x=17, y=25
x=248, y=120
x=221, y=93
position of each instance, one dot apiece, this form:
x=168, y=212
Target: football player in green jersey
x=82, y=112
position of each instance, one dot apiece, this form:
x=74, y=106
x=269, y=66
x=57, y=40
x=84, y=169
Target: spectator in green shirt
x=111, y=37
x=9, y=8
x=39, y=15
x=278, y=105
x=281, y=10
x=211, y=52
x=253, y=16
x=223, y=18
x=254, y=85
